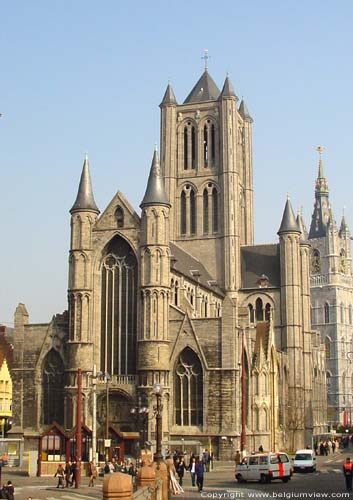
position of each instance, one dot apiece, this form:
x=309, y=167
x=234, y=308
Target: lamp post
x=243, y=397
x=158, y=408
x=94, y=411
x=107, y=379
x=140, y=413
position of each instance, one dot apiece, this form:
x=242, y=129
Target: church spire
x=155, y=192
x=228, y=90
x=244, y=112
x=322, y=212
x=85, y=199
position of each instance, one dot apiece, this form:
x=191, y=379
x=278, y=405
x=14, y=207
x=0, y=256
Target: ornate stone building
x=179, y=294
x=331, y=286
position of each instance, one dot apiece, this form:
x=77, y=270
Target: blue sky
x=83, y=75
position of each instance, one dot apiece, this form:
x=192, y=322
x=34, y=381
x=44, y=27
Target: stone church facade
x=178, y=294
x=331, y=285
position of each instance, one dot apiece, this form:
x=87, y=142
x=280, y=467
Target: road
x=327, y=482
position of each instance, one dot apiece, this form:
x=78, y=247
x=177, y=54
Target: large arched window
x=188, y=389
x=118, y=309
x=52, y=388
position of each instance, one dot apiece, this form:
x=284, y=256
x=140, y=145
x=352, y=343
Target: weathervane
x=206, y=57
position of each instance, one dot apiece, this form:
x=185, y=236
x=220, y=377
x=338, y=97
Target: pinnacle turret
x=155, y=192
x=289, y=223
x=301, y=225
x=228, y=90
x=322, y=212
x=85, y=199
x=244, y=112
x=169, y=96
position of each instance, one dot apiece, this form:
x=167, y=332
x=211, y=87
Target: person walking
x=180, y=468
x=60, y=474
x=200, y=471
x=67, y=472
x=192, y=469
x=73, y=473
x=206, y=459
x=347, y=472
x=92, y=471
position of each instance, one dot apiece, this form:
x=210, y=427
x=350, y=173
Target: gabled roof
x=204, y=90
x=192, y=269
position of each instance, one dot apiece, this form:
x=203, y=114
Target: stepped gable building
x=179, y=294
x=331, y=287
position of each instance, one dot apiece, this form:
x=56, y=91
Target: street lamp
x=106, y=379
x=141, y=413
x=158, y=408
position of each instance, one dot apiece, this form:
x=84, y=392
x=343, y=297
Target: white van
x=264, y=467
x=304, y=461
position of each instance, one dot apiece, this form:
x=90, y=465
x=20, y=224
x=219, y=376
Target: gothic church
x=179, y=294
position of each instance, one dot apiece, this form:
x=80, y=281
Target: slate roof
x=155, y=192
x=169, y=96
x=289, y=222
x=204, y=90
x=192, y=269
x=257, y=260
x=85, y=198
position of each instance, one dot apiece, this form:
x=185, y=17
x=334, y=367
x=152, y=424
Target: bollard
x=117, y=486
x=147, y=477
x=161, y=470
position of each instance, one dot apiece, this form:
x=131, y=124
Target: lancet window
x=210, y=199
x=188, y=389
x=209, y=144
x=118, y=309
x=188, y=224
x=189, y=146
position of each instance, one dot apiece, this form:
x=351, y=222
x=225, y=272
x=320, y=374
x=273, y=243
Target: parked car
x=264, y=467
x=304, y=461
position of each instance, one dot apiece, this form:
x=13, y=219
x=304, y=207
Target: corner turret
x=155, y=192
x=289, y=223
x=169, y=97
x=85, y=199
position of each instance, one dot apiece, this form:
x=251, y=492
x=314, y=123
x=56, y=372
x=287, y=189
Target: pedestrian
x=60, y=474
x=67, y=472
x=3, y=492
x=237, y=458
x=199, y=470
x=92, y=472
x=107, y=468
x=73, y=473
x=206, y=459
x=192, y=469
x=10, y=491
x=180, y=468
x=333, y=446
x=347, y=472
x=261, y=448
x=132, y=472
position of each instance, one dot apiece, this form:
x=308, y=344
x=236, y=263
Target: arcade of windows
x=191, y=136
x=210, y=210
x=204, y=307
x=259, y=313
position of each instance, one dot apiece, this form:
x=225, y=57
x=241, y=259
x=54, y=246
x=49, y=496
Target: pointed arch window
x=185, y=148
x=188, y=389
x=193, y=148
x=119, y=215
x=118, y=308
x=205, y=211
x=327, y=313
x=213, y=143
x=192, y=212
x=176, y=293
x=183, y=212
x=215, y=209
x=205, y=146
x=259, y=310
x=53, y=388
x=268, y=312
x=251, y=313
x=315, y=261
